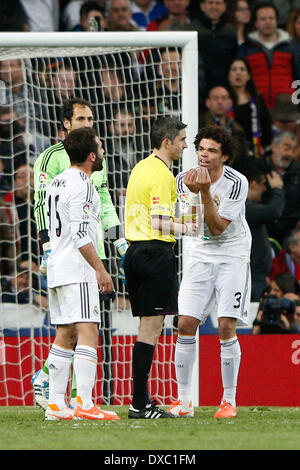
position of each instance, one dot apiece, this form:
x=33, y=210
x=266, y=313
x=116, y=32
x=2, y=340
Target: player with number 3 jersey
x=217, y=272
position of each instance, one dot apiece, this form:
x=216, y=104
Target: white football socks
x=85, y=365
x=230, y=363
x=185, y=356
x=59, y=363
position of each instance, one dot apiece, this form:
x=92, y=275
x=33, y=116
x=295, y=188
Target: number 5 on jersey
x=54, y=215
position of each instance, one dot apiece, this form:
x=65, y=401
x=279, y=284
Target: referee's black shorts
x=151, y=278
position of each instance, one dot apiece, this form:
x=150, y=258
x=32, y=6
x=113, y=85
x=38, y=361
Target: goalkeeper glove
x=43, y=266
x=121, y=245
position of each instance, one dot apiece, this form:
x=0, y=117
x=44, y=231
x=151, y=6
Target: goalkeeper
x=75, y=113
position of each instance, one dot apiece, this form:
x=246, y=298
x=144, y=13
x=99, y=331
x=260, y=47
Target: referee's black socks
x=141, y=365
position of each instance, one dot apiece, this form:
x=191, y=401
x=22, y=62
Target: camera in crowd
x=273, y=308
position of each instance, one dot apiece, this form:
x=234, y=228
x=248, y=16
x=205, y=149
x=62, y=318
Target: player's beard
x=98, y=164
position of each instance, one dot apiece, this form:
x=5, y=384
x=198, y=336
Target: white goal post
x=41, y=56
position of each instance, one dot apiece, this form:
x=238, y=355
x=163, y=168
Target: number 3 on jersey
x=54, y=215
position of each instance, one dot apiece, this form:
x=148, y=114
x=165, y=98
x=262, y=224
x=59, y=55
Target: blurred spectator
x=70, y=15
x=12, y=148
x=42, y=16
x=249, y=109
x=168, y=90
x=288, y=259
x=285, y=7
x=258, y=214
x=175, y=19
x=64, y=82
x=121, y=152
x=285, y=116
x=218, y=103
x=217, y=42
x=112, y=93
x=119, y=16
x=7, y=241
x=16, y=289
x=89, y=10
x=240, y=17
x=277, y=307
x=272, y=55
x=24, y=98
x=62, y=86
x=281, y=159
x=5, y=179
x=23, y=200
x=293, y=25
x=146, y=11
x=19, y=289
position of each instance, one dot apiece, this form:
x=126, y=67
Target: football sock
x=230, y=363
x=185, y=355
x=59, y=363
x=85, y=366
x=73, y=385
x=141, y=365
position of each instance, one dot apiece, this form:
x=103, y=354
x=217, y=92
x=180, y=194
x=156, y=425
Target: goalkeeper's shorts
x=151, y=278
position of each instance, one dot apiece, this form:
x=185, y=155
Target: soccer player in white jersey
x=74, y=273
x=217, y=271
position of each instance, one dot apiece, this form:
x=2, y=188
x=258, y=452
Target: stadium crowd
x=249, y=68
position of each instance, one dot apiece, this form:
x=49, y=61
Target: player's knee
x=227, y=327
x=88, y=334
x=66, y=336
x=150, y=329
x=187, y=325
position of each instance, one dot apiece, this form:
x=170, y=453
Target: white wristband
x=194, y=199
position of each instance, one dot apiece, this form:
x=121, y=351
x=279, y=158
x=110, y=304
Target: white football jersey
x=73, y=207
x=229, y=194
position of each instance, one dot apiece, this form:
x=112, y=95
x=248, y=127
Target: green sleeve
x=49, y=164
x=108, y=216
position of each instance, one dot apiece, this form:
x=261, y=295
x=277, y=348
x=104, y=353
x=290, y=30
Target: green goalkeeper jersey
x=51, y=163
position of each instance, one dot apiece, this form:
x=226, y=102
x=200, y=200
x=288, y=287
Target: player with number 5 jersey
x=74, y=215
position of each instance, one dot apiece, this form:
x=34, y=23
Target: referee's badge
x=183, y=199
x=155, y=200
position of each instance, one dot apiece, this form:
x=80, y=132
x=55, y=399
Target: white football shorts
x=74, y=303
x=226, y=286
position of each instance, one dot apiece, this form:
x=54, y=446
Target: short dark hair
x=67, y=109
x=219, y=135
x=79, y=143
x=254, y=173
x=261, y=5
x=89, y=6
x=165, y=127
x=287, y=283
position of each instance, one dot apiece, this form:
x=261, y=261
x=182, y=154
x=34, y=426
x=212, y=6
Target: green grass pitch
x=255, y=428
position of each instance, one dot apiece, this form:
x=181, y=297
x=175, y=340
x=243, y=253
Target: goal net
x=129, y=79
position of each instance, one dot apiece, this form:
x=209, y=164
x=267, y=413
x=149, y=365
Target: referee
x=150, y=264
